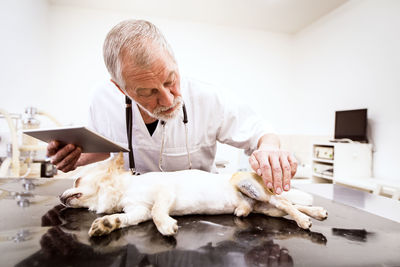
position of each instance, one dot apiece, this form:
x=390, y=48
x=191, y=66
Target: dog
x=108, y=188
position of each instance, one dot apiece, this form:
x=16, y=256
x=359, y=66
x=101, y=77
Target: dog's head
x=96, y=188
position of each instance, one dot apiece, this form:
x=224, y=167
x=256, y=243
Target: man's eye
x=169, y=84
x=146, y=92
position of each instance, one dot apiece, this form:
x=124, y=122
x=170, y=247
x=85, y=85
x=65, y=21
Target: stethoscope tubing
x=128, y=116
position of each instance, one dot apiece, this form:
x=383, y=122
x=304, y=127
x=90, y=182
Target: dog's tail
x=250, y=184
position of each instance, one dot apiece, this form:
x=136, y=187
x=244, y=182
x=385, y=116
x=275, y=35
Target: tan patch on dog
x=252, y=185
x=117, y=164
x=271, y=191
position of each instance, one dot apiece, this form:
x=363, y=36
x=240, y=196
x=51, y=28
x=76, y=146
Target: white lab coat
x=212, y=117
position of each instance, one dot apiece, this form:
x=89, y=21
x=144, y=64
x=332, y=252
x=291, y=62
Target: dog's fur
x=107, y=188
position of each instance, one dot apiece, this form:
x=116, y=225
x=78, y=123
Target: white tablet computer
x=88, y=140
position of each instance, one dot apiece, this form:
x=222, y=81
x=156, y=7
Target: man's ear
x=116, y=84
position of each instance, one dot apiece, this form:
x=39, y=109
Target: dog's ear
x=77, y=181
x=117, y=164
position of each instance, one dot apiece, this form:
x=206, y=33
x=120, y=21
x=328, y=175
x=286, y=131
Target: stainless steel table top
x=35, y=230
x=378, y=205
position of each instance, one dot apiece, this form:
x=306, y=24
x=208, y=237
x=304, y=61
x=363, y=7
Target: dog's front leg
x=109, y=223
x=160, y=212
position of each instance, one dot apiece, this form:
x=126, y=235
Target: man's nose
x=166, y=98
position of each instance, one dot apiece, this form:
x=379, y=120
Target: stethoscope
x=128, y=116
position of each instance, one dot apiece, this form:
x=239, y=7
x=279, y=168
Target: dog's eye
x=76, y=183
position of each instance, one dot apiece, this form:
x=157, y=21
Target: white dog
x=107, y=188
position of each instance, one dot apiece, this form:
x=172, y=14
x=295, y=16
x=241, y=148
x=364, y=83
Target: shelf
x=322, y=176
x=323, y=160
x=341, y=160
x=325, y=144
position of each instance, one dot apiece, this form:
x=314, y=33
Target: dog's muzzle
x=66, y=199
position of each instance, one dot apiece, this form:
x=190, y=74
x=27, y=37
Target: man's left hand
x=275, y=166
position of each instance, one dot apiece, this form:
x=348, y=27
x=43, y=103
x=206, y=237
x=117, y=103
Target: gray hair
x=134, y=38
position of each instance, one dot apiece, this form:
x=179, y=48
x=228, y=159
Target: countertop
x=35, y=230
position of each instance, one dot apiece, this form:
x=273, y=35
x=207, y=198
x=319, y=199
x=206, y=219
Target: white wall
x=241, y=60
x=350, y=59
x=23, y=58
x=23, y=53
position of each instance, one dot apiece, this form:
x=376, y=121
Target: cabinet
x=341, y=161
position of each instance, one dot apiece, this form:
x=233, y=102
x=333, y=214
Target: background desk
x=36, y=231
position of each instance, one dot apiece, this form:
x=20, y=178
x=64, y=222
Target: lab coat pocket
x=200, y=157
x=178, y=158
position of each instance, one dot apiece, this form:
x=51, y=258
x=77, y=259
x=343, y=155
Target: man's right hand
x=64, y=157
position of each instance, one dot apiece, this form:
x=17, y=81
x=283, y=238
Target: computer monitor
x=351, y=124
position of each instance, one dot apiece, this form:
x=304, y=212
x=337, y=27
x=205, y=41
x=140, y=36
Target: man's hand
x=65, y=158
x=274, y=165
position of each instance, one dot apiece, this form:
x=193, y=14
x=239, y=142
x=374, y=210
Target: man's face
x=156, y=89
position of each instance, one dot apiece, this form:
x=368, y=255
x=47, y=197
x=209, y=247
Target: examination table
x=35, y=230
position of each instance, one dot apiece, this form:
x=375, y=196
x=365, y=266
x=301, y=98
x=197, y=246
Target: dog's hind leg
x=109, y=223
x=268, y=209
x=163, y=202
x=245, y=205
x=318, y=213
x=283, y=204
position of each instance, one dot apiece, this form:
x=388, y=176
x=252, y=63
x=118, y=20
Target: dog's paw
x=242, y=211
x=104, y=226
x=318, y=213
x=168, y=227
x=321, y=213
x=305, y=223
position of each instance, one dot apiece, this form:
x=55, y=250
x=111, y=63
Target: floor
x=35, y=230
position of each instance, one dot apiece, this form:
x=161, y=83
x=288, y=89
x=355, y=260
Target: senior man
x=174, y=123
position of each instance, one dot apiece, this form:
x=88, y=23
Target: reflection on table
x=201, y=241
